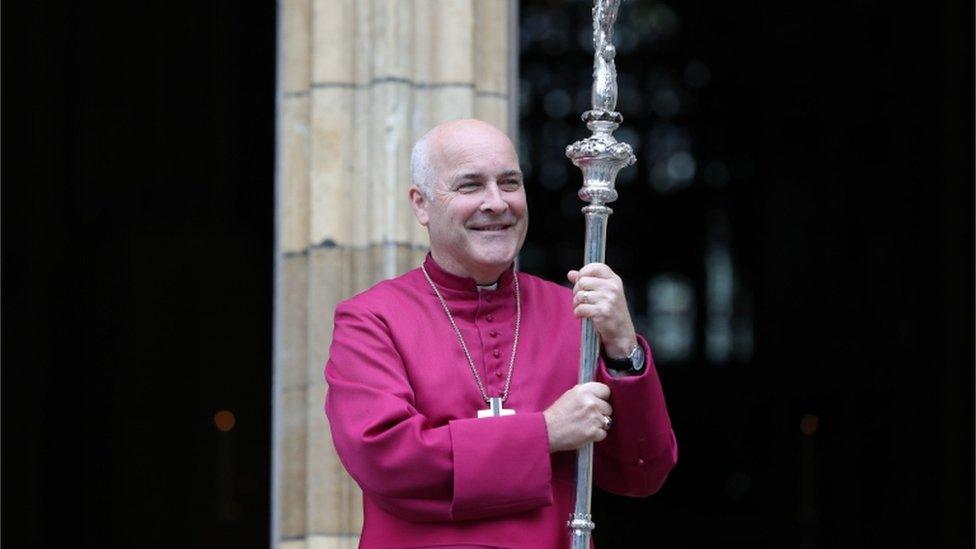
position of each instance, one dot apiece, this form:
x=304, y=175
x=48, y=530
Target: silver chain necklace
x=464, y=347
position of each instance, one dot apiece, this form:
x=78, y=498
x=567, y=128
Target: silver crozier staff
x=600, y=157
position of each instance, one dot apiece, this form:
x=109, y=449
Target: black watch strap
x=632, y=364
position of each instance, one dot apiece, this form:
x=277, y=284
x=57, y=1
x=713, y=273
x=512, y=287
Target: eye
x=510, y=185
x=468, y=187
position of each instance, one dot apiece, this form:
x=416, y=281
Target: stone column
x=359, y=82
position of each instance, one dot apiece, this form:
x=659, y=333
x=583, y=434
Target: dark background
x=847, y=136
x=138, y=196
x=137, y=207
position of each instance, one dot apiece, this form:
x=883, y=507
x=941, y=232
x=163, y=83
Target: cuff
x=501, y=465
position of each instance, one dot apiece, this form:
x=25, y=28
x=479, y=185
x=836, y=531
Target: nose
x=493, y=201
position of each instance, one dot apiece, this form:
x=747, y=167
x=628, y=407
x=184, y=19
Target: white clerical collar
x=488, y=287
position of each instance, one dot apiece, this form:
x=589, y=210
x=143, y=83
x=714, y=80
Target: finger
x=584, y=283
x=595, y=424
x=572, y=276
x=588, y=297
x=597, y=389
x=580, y=296
x=592, y=283
x=594, y=406
x=597, y=273
x=591, y=311
x=599, y=291
x=599, y=270
x=599, y=435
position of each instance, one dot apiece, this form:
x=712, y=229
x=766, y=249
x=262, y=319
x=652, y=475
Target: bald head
x=436, y=148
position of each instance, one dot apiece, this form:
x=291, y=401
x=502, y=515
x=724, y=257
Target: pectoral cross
x=495, y=409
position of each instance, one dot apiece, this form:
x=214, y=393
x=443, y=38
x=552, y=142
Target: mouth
x=491, y=228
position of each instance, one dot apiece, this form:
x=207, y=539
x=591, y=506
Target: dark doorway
x=138, y=149
x=797, y=242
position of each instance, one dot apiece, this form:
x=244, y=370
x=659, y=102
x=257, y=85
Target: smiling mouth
x=489, y=228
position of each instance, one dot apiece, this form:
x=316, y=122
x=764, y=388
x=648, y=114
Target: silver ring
x=607, y=422
x=584, y=296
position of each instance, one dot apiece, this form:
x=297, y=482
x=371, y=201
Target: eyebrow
x=475, y=176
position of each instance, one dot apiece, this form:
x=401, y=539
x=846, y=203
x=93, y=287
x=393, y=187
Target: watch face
x=637, y=359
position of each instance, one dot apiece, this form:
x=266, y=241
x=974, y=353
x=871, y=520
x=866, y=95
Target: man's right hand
x=578, y=416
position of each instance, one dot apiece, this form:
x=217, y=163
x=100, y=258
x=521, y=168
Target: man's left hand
x=598, y=294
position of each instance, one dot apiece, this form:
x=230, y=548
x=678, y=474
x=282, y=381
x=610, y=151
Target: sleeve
x=640, y=449
x=468, y=468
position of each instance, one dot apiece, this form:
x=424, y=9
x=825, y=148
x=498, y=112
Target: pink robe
x=402, y=405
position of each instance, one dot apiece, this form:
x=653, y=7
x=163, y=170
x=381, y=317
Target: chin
x=496, y=258
x=499, y=248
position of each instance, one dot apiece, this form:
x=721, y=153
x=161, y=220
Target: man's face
x=476, y=214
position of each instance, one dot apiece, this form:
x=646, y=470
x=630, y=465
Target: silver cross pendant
x=495, y=409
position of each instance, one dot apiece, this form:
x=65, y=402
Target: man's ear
x=419, y=204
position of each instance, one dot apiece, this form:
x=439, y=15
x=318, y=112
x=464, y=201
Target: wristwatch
x=632, y=364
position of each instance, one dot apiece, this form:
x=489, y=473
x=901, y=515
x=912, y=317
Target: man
x=452, y=389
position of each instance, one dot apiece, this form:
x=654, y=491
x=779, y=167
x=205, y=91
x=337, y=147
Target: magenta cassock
x=402, y=405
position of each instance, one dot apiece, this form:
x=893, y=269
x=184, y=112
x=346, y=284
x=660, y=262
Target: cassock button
x=488, y=298
x=490, y=317
x=640, y=461
x=496, y=353
x=498, y=374
x=493, y=333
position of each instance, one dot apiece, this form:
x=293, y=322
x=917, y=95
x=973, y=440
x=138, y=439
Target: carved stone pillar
x=359, y=81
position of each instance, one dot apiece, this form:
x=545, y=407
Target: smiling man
x=468, y=193
x=452, y=397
